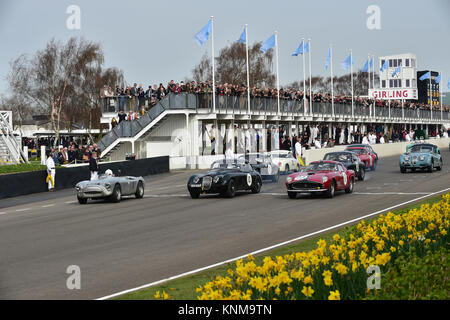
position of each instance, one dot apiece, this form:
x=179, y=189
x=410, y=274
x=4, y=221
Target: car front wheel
x=292, y=195
x=257, y=187
x=231, y=190
x=331, y=190
x=117, y=194
x=82, y=200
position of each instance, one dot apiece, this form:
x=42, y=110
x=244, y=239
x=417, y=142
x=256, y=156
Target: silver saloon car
x=110, y=188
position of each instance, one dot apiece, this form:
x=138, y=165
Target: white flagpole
x=351, y=73
x=373, y=71
x=431, y=99
x=278, y=76
x=213, y=65
x=248, y=68
x=304, y=76
x=332, y=86
x=368, y=71
x=401, y=86
x=310, y=75
x=440, y=95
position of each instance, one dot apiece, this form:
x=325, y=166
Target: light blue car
x=422, y=156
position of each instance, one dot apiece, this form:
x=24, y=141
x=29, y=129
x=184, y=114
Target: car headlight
x=407, y=158
x=216, y=179
x=288, y=179
x=77, y=188
x=324, y=179
x=196, y=180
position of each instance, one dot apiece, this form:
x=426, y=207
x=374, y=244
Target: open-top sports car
x=368, y=147
x=421, y=156
x=368, y=158
x=110, y=187
x=325, y=177
x=225, y=177
x=285, y=161
x=263, y=164
x=350, y=160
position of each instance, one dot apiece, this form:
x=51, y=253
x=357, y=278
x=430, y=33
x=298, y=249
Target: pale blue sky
x=152, y=41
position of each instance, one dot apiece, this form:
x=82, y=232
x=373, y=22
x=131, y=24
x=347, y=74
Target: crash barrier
x=383, y=150
x=18, y=184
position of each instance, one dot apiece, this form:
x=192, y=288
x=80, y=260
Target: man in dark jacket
x=93, y=166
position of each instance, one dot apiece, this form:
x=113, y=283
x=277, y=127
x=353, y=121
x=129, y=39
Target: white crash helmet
x=109, y=173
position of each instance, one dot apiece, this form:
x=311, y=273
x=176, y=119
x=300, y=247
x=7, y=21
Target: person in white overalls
x=50, y=172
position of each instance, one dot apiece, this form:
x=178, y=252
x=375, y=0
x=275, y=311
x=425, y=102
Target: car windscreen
x=319, y=166
x=415, y=149
x=358, y=151
x=281, y=155
x=225, y=165
x=341, y=157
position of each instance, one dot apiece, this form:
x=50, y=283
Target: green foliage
x=416, y=277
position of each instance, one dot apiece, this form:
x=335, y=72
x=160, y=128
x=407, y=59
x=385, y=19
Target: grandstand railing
x=239, y=105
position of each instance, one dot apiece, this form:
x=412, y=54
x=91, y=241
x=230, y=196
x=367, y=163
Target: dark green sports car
x=225, y=177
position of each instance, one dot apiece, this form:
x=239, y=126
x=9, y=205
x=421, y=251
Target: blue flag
x=399, y=68
x=366, y=67
x=269, y=44
x=425, y=76
x=346, y=64
x=384, y=66
x=307, y=47
x=202, y=36
x=438, y=78
x=448, y=83
x=243, y=37
x=299, y=50
x=328, y=59
x=371, y=63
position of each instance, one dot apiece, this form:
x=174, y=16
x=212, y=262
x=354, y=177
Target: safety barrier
x=18, y=184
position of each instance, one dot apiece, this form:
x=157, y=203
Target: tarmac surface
x=138, y=241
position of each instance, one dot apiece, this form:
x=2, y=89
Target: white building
x=407, y=78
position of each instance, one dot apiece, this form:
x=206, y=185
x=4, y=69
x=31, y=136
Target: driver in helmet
x=109, y=173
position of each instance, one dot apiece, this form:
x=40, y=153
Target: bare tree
x=57, y=79
x=231, y=66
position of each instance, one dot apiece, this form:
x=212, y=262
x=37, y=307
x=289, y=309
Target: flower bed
x=337, y=270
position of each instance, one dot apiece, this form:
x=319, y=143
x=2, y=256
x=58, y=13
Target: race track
x=125, y=245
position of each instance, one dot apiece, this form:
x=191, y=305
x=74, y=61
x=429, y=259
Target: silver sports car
x=110, y=188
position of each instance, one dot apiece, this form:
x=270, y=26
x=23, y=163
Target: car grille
x=92, y=193
x=206, y=183
x=306, y=185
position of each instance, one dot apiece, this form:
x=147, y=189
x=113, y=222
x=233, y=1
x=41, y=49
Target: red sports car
x=369, y=158
x=321, y=176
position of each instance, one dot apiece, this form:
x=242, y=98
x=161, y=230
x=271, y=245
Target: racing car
x=324, y=177
x=285, y=161
x=110, y=187
x=350, y=160
x=225, y=177
x=368, y=158
x=368, y=147
x=263, y=164
x=421, y=156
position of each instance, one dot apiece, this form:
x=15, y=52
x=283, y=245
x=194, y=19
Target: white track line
x=268, y=248
x=391, y=193
x=48, y=205
x=1, y=213
x=21, y=210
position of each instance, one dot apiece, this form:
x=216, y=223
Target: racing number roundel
x=249, y=179
x=345, y=178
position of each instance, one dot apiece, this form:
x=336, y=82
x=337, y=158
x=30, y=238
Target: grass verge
x=184, y=288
